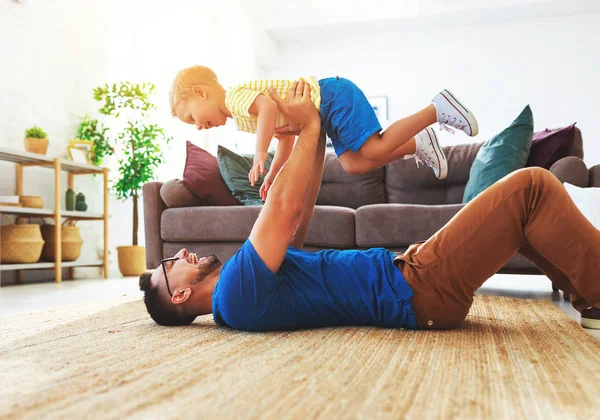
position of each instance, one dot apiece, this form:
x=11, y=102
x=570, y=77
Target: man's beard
x=211, y=264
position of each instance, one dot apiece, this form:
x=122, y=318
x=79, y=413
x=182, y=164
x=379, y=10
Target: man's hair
x=186, y=79
x=160, y=310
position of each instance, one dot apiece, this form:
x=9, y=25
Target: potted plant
x=36, y=140
x=92, y=130
x=138, y=146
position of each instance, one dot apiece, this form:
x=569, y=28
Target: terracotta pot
x=132, y=260
x=34, y=145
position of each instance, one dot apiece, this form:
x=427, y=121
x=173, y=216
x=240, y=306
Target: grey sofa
x=389, y=207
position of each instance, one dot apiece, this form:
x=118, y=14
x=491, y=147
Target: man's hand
x=260, y=158
x=287, y=130
x=298, y=112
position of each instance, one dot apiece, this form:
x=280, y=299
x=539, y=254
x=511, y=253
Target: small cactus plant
x=35, y=132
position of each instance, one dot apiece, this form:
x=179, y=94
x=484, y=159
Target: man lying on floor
x=271, y=284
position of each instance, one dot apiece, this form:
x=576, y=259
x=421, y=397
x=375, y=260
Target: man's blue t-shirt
x=310, y=290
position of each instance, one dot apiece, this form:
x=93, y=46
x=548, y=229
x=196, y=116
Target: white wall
x=550, y=63
x=53, y=54
x=307, y=13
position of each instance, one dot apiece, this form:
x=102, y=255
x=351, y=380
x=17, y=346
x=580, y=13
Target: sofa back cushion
x=407, y=184
x=175, y=194
x=595, y=176
x=339, y=188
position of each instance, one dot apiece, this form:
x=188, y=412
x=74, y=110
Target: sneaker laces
x=443, y=127
x=419, y=160
x=449, y=120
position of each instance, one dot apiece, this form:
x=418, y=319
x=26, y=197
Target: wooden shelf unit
x=26, y=159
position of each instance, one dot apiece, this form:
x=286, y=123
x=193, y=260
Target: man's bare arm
x=311, y=196
x=275, y=226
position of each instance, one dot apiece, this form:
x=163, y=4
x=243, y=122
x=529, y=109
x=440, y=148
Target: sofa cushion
x=201, y=176
x=175, y=194
x=549, y=146
x=234, y=169
x=338, y=188
x=572, y=170
x=208, y=223
x=595, y=176
x=504, y=153
x=407, y=184
x=330, y=226
x=395, y=225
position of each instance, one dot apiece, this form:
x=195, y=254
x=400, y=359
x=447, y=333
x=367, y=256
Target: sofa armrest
x=153, y=208
x=595, y=176
x=573, y=170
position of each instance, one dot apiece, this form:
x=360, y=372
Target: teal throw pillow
x=503, y=154
x=234, y=170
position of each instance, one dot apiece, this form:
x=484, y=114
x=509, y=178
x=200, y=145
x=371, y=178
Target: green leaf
x=142, y=141
x=36, y=133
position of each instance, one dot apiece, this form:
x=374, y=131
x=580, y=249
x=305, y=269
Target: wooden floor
x=38, y=296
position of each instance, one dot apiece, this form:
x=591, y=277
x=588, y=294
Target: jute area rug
x=513, y=358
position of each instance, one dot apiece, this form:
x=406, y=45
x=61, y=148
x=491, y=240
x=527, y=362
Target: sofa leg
x=566, y=296
x=554, y=288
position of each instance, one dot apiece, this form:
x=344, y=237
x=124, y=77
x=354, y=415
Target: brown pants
x=528, y=212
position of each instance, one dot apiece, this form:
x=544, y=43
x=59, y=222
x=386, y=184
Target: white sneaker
x=590, y=318
x=429, y=152
x=450, y=112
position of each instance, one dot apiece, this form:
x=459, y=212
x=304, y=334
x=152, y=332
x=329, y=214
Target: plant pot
x=34, y=145
x=70, y=240
x=132, y=260
x=20, y=244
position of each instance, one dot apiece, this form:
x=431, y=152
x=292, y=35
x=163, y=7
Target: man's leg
x=528, y=211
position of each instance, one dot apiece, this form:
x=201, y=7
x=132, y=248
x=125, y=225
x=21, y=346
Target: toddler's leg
x=355, y=164
x=409, y=133
x=445, y=109
x=424, y=147
x=381, y=145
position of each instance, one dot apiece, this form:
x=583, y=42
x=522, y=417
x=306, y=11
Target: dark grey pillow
x=234, y=170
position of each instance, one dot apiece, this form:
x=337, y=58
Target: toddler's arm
x=282, y=153
x=265, y=110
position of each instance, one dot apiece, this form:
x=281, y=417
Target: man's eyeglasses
x=164, y=267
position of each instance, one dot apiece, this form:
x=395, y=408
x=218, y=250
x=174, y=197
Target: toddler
x=348, y=119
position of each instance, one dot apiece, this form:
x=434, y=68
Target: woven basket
x=20, y=244
x=32, y=201
x=71, y=243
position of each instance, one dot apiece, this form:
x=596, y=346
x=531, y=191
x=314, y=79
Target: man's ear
x=199, y=90
x=181, y=295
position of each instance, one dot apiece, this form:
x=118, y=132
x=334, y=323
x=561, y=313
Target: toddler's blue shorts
x=346, y=115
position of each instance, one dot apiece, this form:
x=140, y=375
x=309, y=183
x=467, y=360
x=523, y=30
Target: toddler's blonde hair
x=186, y=79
